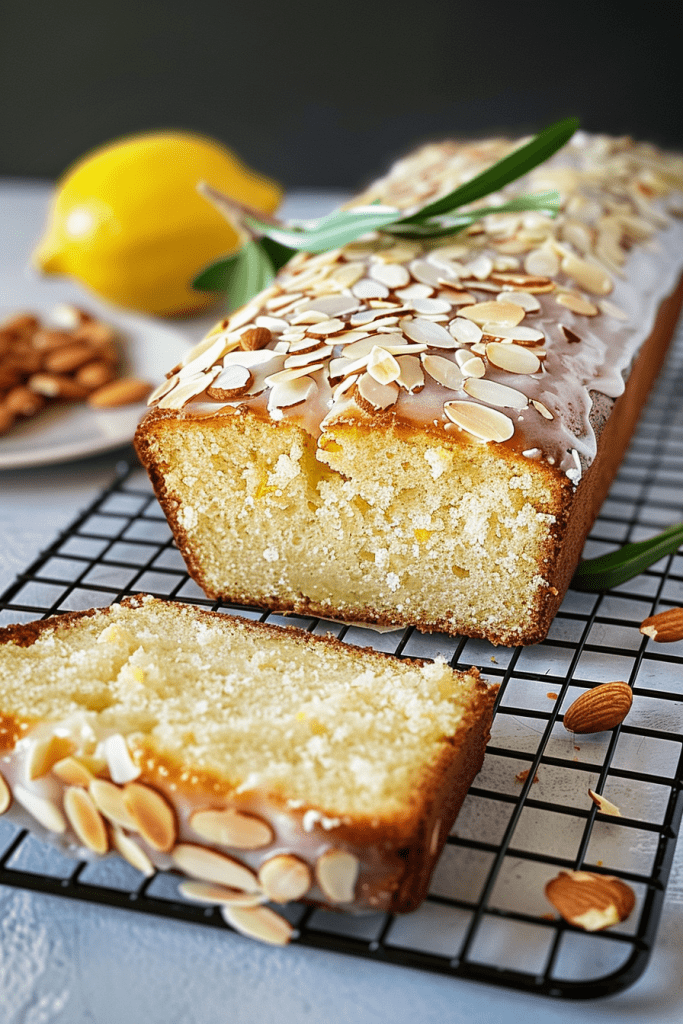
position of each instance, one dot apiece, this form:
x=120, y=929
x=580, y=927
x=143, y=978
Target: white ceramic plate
x=74, y=430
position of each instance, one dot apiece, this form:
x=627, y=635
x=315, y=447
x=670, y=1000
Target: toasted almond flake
x=604, y=805
x=382, y=366
x=131, y=852
x=482, y=286
x=427, y=333
x=86, y=820
x=284, y=878
x=411, y=377
x=242, y=316
x=259, y=357
x=284, y=376
x=293, y=362
x=505, y=314
x=347, y=274
x=270, y=323
x=542, y=262
x=367, y=315
x=526, y=300
x=186, y=390
x=260, y=923
x=366, y=288
x=443, y=371
x=544, y=411
x=519, y=335
x=427, y=306
x=5, y=795
x=456, y=298
x=480, y=268
x=207, y=892
x=230, y=383
x=332, y=305
x=473, y=367
x=480, y=421
x=292, y=392
x=493, y=393
x=589, y=276
x=221, y=345
x=153, y=815
x=44, y=753
x=372, y=396
x=326, y=327
x=43, y=810
x=414, y=291
x=385, y=323
x=577, y=304
x=278, y=302
x=345, y=386
x=393, y=275
x=479, y=348
x=611, y=309
x=336, y=873
x=427, y=273
x=108, y=799
x=512, y=358
x=73, y=772
x=163, y=389
x=122, y=767
x=305, y=344
x=311, y=317
x=232, y=828
x=210, y=866
x=465, y=331
x=341, y=366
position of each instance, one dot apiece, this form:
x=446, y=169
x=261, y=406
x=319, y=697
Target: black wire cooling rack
x=527, y=816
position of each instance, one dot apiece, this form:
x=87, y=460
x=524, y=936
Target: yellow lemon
x=127, y=219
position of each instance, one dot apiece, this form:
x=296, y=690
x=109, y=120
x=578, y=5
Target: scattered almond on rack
x=74, y=357
x=589, y=900
x=665, y=627
x=599, y=709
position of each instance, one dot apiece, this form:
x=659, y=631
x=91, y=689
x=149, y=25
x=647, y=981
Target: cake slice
x=264, y=763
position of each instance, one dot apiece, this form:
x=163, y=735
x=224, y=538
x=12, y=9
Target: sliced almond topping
x=372, y=396
x=543, y=409
x=242, y=316
x=665, y=627
x=577, y=304
x=396, y=344
x=163, y=389
x=611, y=309
x=465, y=331
x=5, y=795
x=210, y=866
x=480, y=421
x=108, y=799
x=260, y=923
x=443, y=371
x=230, y=383
x=325, y=328
x=456, y=297
x=526, y=336
x=414, y=291
x=285, y=376
x=208, y=357
x=43, y=810
x=73, y=772
x=336, y=872
x=427, y=273
x=292, y=392
x=153, y=815
x=495, y=394
x=473, y=367
x=131, y=852
x=383, y=366
x=603, y=804
x=122, y=767
x=207, y=892
x=512, y=358
x=543, y=261
x=428, y=307
x=310, y=317
x=254, y=360
x=347, y=275
x=526, y=300
x=186, y=390
x=44, y=753
x=427, y=333
x=505, y=314
x=393, y=275
x=590, y=901
x=571, y=337
x=366, y=316
x=587, y=275
x=411, y=377
x=333, y=305
x=232, y=828
x=274, y=324
x=85, y=819
x=480, y=268
x=366, y=288
x=306, y=358
x=284, y=878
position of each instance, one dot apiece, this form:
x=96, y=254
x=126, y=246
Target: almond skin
x=590, y=901
x=599, y=709
x=665, y=627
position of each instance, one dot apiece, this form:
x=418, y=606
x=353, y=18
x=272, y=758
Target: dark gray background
x=327, y=94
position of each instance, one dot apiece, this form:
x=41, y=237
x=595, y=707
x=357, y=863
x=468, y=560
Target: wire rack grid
x=528, y=814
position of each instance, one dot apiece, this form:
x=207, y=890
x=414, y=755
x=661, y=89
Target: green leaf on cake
x=242, y=275
x=606, y=571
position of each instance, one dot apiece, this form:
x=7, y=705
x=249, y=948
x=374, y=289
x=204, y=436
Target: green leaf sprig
x=271, y=243
x=606, y=571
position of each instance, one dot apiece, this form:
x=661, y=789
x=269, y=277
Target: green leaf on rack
x=606, y=571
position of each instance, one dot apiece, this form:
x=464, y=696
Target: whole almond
x=665, y=627
x=56, y=385
x=590, y=901
x=599, y=709
x=46, y=340
x=124, y=391
x=68, y=357
x=254, y=338
x=94, y=374
x=21, y=401
x=95, y=333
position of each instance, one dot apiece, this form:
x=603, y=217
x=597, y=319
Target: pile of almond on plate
x=75, y=357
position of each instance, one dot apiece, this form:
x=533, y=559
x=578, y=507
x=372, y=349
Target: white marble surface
x=63, y=962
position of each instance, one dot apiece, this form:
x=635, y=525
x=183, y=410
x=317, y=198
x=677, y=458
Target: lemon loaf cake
x=264, y=763
x=406, y=432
